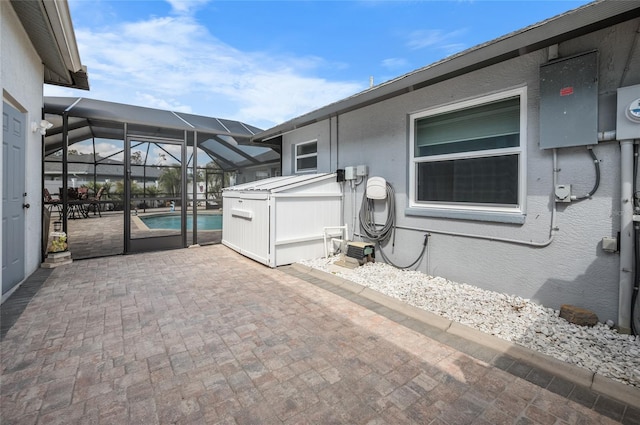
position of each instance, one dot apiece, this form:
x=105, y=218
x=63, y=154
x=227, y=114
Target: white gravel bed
x=600, y=349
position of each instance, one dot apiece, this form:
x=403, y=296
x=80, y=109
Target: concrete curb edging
x=570, y=372
x=424, y=316
x=580, y=376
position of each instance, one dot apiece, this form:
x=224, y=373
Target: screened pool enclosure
x=107, y=166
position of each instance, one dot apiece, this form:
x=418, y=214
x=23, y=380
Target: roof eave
x=577, y=22
x=50, y=29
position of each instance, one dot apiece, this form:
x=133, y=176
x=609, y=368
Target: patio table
x=77, y=209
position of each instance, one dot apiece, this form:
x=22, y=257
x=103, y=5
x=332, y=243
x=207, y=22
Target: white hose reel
x=376, y=188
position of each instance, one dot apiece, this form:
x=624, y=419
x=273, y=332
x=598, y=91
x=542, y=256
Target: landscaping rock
x=578, y=315
x=600, y=349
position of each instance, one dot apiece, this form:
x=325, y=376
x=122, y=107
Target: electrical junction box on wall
x=609, y=244
x=349, y=173
x=563, y=193
x=362, y=171
x=569, y=102
x=628, y=113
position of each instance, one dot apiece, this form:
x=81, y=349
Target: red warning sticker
x=566, y=91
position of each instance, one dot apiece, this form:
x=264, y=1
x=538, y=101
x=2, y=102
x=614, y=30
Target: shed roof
x=275, y=184
x=574, y=23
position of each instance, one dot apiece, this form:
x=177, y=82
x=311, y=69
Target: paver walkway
x=99, y=236
x=206, y=336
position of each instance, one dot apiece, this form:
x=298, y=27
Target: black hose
x=417, y=260
x=596, y=163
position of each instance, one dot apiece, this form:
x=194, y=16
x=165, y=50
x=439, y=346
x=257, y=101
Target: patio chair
x=50, y=202
x=83, y=193
x=94, y=202
x=77, y=206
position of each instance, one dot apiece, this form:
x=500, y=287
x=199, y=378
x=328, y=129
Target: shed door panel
x=247, y=230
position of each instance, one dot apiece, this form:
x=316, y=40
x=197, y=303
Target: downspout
x=343, y=220
x=337, y=141
x=635, y=301
x=330, y=147
x=625, y=291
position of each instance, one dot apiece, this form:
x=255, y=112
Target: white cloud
x=421, y=39
x=395, y=63
x=282, y=94
x=186, y=6
x=175, y=63
x=162, y=103
x=105, y=148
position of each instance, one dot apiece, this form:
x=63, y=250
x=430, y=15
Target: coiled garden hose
x=381, y=235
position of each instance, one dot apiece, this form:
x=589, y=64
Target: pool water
x=205, y=222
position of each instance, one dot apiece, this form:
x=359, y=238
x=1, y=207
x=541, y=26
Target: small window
x=306, y=156
x=470, y=156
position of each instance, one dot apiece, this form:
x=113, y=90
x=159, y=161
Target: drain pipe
x=625, y=291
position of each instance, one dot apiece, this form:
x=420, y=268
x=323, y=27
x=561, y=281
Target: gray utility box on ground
x=569, y=102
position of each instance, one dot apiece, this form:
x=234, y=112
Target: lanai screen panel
x=224, y=139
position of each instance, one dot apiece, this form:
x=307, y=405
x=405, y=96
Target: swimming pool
x=172, y=221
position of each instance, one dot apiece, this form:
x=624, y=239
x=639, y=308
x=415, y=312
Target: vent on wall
x=569, y=102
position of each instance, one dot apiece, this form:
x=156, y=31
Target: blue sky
x=264, y=62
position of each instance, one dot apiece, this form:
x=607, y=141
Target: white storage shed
x=281, y=220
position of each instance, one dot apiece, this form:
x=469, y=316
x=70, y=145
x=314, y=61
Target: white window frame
x=471, y=211
x=296, y=157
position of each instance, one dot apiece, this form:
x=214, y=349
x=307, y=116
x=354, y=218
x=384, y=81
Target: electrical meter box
x=569, y=102
x=628, y=113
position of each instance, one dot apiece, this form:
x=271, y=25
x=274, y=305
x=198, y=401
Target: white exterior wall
x=21, y=78
x=573, y=269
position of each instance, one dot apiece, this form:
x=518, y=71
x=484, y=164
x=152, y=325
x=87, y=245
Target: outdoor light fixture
x=41, y=127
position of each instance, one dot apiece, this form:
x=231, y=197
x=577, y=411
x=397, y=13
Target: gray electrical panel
x=569, y=102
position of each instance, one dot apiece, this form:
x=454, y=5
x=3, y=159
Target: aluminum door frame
x=159, y=242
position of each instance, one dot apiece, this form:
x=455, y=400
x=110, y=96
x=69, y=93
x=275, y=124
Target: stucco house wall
x=320, y=132
x=37, y=46
x=21, y=79
x=573, y=268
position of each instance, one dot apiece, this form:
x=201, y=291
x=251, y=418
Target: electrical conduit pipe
x=552, y=230
x=625, y=291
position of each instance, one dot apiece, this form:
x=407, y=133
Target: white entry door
x=13, y=186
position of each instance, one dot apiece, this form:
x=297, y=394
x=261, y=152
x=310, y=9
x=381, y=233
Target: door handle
x=25, y=205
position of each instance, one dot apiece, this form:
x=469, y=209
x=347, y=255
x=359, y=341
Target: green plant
x=170, y=181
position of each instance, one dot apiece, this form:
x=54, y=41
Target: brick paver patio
x=206, y=336
x=99, y=236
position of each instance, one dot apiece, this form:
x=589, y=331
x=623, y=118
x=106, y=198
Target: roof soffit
x=49, y=27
